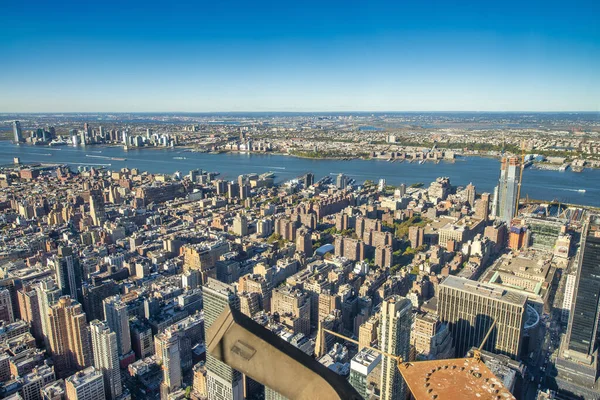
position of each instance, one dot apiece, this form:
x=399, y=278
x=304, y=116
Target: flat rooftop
x=457, y=378
x=485, y=290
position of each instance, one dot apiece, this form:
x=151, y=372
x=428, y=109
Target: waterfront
x=482, y=172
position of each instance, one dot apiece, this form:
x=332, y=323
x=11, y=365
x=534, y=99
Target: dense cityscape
x=111, y=278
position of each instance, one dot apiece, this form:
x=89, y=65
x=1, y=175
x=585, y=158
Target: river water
x=482, y=172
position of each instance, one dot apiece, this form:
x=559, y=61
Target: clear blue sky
x=299, y=55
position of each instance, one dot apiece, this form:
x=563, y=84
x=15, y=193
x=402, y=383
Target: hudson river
x=482, y=172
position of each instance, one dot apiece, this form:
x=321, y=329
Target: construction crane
x=255, y=351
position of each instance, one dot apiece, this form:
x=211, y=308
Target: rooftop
x=453, y=379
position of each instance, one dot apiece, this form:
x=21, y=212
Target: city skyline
x=315, y=57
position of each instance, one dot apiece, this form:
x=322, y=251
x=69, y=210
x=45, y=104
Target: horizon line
x=298, y=112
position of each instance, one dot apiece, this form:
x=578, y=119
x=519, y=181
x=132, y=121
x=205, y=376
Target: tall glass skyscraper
x=508, y=188
x=17, y=132
x=583, y=324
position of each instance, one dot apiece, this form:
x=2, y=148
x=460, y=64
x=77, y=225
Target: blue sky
x=373, y=55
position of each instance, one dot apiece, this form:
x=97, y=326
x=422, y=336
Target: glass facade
x=584, y=320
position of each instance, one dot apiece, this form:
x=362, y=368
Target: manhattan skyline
x=268, y=56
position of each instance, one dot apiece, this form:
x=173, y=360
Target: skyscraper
x=167, y=348
x=583, y=324
x=470, y=195
x=507, y=189
x=223, y=382
x=97, y=211
x=117, y=318
x=68, y=273
x=106, y=358
x=69, y=337
x=470, y=308
x=18, y=134
x=47, y=294
x=394, y=338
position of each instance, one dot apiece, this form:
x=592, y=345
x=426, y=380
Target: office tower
x=507, y=189
x=578, y=359
x=394, y=338
x=106, y=358
x=18, y=134
x=47, y=294
x=85, y=385
x=167, y=348
x=69, y=337
x=117, y=318
x=583, y=323
x=470, y=307
x=67, y=270
x=482, y=207
x=6, y=307
x=361, y=366
x=470, y=195
x=97, y=211
x=341, y=181
x=223, y=382
x=240, y=225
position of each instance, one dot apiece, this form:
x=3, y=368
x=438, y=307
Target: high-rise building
x=470, y=308
x=367, y=333
x=341, y=181
x=97, y=211
x=117, y=318
x=304, y=242
x=578, y=359
x=18, y=134
x=240, y=225
x=85, y=385
x=583, y=324
x=394, y=338
x=470, y=195
x=106, y=358
x=361, y=366
x=6, y=307
x=507, y=189
x=68, y=272
x=47, y=294
x=167, y=347
x=482, y=207
x=223, y=382
x=29, y=309
x=69, y=337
